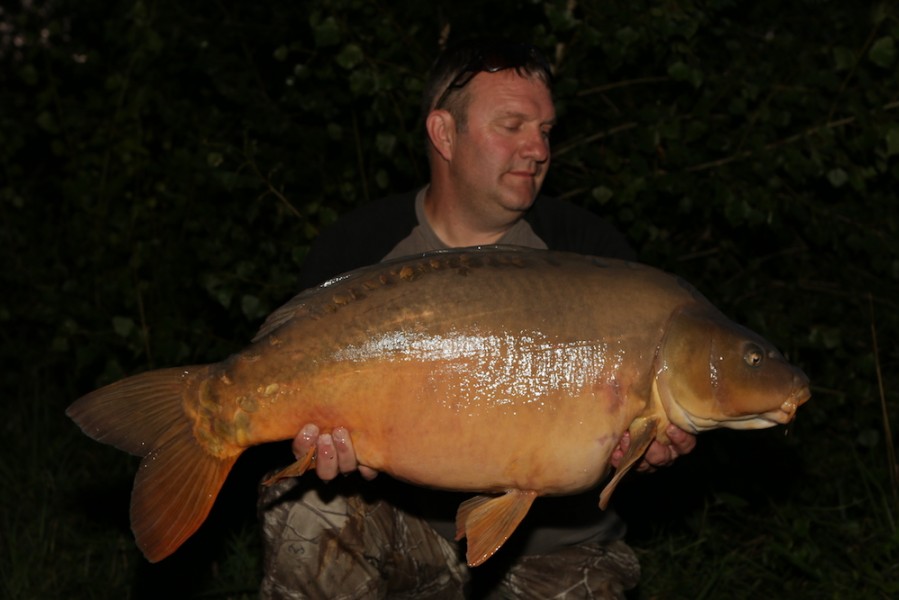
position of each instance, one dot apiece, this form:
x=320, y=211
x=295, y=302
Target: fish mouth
x=787, y=411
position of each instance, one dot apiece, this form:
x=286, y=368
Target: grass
x=57, y=542
x=801, y=519
x=805, y=550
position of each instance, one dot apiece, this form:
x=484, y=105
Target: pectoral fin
x=294, y=470
x=643, y=432
x=488, y=521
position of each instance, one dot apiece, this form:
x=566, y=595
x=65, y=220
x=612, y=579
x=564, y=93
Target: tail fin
x=178, y=479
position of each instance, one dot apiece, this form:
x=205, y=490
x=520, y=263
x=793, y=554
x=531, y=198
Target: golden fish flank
x=473, y=349
x=499, y=369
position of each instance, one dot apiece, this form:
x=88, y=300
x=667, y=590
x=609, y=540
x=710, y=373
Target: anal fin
x=488, y=521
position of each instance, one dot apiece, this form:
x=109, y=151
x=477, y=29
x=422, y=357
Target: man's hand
x=658, y=454
x=333, y=452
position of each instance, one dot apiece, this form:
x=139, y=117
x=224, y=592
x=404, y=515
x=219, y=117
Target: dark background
x=164, y=166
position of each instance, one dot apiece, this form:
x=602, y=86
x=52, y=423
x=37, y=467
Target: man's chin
x=522, y=198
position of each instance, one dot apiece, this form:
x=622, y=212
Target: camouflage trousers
x=339, y=545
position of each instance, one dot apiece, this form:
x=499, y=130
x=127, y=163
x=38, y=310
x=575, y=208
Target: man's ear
x=441, y=129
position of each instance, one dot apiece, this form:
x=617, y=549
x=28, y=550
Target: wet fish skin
x=496, y=370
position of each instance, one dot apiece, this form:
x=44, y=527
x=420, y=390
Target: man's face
x=502, y=150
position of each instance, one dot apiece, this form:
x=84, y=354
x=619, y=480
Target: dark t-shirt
x=369, y=233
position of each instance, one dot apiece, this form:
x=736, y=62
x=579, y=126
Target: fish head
x=712, y=373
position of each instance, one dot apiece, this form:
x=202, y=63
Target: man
x=488, y=115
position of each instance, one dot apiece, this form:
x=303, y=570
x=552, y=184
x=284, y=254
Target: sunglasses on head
x=498, y=57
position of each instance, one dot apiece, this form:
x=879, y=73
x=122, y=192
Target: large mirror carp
x=509, y=373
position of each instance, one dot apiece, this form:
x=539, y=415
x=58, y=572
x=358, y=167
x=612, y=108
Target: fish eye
x=753, y=356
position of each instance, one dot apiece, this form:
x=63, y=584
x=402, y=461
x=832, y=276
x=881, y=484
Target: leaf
x=47, y=122
x=883, y=52
x=602, y=194
x=837, y=177
x=385, y=143
x=350, y=56
x=123, y=326
x=868, y=438
x=844, y=58
x=681, y=71
x=29, y=74
x=327, y=32
x=335, y=131
x=251, y=306
x=627, y=36
x=892, y=138
x=214, y=159
x=382, y=179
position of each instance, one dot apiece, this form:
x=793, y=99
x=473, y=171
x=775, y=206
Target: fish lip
x=787, y=411
x=779, y=416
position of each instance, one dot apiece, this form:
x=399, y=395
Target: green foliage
x=165, y=165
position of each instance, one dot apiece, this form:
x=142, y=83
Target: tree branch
x=782, y=142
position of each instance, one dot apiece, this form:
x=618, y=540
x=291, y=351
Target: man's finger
x=346, y=457
x=304, y=441
x=326, y=458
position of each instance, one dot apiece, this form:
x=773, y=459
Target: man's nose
x=536, y=147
